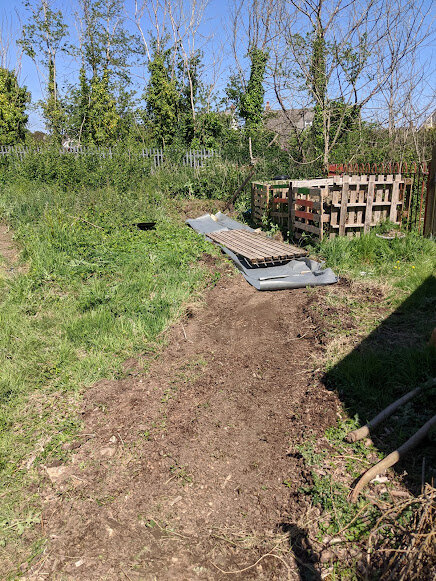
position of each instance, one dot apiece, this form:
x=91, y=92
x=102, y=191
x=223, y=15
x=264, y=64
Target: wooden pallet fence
x=412, y=191
x=271, y=201
x=306, y=214
x=361, y=202
x=338, y=205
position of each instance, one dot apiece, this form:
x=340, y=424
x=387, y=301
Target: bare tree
x=338, y=57
x=185, y=24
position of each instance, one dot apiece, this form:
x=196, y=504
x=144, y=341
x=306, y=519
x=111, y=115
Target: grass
x=402, y=264
x=97, y=291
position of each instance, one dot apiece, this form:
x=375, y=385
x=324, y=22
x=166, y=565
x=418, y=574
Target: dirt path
x=8, y=252
x=179, y=473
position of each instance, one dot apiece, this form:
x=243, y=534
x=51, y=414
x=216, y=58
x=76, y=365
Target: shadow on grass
x=391, y=361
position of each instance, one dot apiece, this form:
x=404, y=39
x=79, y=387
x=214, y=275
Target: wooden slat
x=306, y=227
x=369, y=201
x=344, y=203
x=255, y=247
x=359, y=225
x=260, y=240
x=351, y=219
x=395, y=199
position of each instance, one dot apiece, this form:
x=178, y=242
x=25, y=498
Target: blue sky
x=213, y=32
x=214, y=39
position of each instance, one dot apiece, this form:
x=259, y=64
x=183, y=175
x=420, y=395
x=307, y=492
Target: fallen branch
x=269, y=554
x=392, y=458
x=241, y=187
x=364, y=431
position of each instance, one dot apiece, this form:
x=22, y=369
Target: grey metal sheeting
x=294, y=274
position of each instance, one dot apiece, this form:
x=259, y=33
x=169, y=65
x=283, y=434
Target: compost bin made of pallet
x=339, y=205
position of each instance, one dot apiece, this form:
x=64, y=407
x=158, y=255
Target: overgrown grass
x=402, y=263
x=97, y=291
x=121, y=171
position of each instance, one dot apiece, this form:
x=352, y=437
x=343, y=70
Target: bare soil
x=186, y=471
x=8, y=250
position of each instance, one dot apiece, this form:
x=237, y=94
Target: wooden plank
x=268, y=187
x=344, y=203
x=259, y=240
x=363, y=204
x=361, y=200
x=306, y=227
x=255, y=247
x=360, y=225
x=353, y=199
x=321, y=214
x=334, y=213
x=290, y=208
x=395, y=199
x=378, y=198
x=305, y=215
x=308, y=203
x=369, y=200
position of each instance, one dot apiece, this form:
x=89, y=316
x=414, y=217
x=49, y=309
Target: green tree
x=94, y=118
x=162, y=98
x=100, y=105
x=43, y=36
x=251, y=101
x=13, y=101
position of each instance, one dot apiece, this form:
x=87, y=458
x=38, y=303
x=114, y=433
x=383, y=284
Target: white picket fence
x=195, y=158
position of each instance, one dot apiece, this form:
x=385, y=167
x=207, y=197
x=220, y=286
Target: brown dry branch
x=411, y=552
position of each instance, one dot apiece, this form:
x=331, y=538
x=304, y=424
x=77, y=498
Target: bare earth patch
x=8, y=251
x=179, y=472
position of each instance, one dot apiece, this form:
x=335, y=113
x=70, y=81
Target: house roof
x=284, y=122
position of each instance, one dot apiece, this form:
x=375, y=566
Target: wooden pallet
x=340, y=205
x=255, y=247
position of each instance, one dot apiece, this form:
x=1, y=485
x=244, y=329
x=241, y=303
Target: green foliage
x=251, y=102
x=331, y=496
x=101, y=117
x=162, y=98
x=44, y=33
x=234, y=91
x=47, y=167
x=404, y=262
x=106, y=46
x=13, y=101
x=122, y=168
x=52, y=108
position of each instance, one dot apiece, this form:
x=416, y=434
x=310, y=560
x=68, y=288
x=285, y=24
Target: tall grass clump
x=402, y=262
